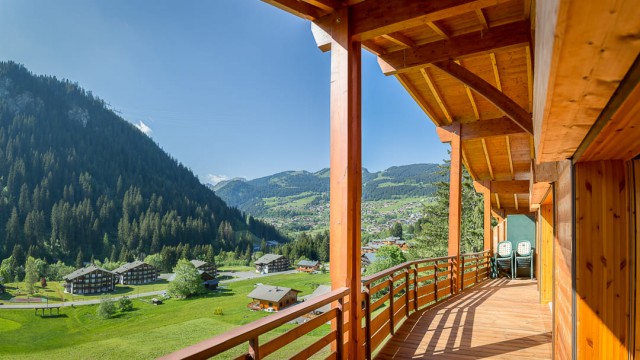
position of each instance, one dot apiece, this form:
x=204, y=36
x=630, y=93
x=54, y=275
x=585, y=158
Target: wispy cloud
x=214, y=179
x=143, y=127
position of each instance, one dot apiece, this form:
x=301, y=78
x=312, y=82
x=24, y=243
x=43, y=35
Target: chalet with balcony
x=267, y=297
x=135, y=273
x=540, y=102
x=308, y=266
x=90, y=280
x=206, y=267
x=271, y=263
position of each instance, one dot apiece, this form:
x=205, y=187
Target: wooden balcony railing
x=390, y=297
x=249, y=333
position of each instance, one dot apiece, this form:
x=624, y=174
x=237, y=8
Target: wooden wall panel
x=563, y=264
x=634, y=172
x=545, y=253
x=602, y=271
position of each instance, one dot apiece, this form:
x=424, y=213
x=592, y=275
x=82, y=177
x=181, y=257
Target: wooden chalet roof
x=523, y=95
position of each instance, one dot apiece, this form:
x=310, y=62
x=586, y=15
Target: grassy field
x=55, y=292
x=147, y=332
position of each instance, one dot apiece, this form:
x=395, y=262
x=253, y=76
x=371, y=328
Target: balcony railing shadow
x=498, y=319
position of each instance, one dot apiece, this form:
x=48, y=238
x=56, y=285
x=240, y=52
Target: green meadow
x=149, y=330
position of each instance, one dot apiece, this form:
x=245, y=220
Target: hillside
x=299, y=200
x=75, y=177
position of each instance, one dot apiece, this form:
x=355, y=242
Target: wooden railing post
x=391, y=310
x=477, y=268
x=435, y=284
x=462, y=260
x=367, y=320
x=254, y=349
x=415, y=288
x=406, y=291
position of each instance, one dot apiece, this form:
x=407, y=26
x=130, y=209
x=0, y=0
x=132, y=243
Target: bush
x=107, y=308
x=217, y=311
x=125, y=304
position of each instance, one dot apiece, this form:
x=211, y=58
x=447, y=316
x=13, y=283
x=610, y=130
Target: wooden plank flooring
x=499, y=319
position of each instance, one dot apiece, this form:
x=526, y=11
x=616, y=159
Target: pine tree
x=79, y=259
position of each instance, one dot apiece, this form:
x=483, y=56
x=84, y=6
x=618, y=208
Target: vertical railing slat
x=367, y=321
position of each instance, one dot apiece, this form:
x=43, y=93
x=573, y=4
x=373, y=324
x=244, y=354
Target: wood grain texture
x=563, y=264
x=478, y=325
x=455, y=203
x=602, y=271
x=545, y=257
x=346, y=172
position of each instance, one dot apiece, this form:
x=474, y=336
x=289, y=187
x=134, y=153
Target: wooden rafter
x=400, y=39
x=436, y=93
x=497, y=200
x=487, y=128
x=496, y=73
x=373, y=47
x=482, y=19
x=486, y=156
x=298, y=8
x=493, y=95
x=510, y=158
x=470, y=96
x=408, y=86
x=506, y=36
x=510, y=187
x=515, y=199
x=374, y=18
x=529, y=77
x=326, y=5
x=467, y=163
x=437, y=29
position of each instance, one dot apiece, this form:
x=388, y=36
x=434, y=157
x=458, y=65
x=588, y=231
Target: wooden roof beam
x=374, y=18
x=400, y=39
x=482, y=19
x=470, y=96
x=437, y=29
x=513, y=211
x=436, y=93
x=499, y=37
x=510, y=158
x=298, y=8
x=487, y=158
x=487, y=128
x=325, y=5
x=521, y=117
x=510, y=187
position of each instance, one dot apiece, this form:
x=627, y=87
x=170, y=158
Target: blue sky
x=228, y=87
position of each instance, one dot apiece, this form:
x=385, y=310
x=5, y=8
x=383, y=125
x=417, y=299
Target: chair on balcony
x=524, y=258
x=503, y=259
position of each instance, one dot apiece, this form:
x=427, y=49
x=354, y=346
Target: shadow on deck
x=499, y=319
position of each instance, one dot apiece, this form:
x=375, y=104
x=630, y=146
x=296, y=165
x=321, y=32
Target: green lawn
x=147, y=332
x=55, y=292
x=236, y=268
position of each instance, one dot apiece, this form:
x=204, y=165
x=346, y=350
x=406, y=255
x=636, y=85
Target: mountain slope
x=76, y=177
x=289, y=199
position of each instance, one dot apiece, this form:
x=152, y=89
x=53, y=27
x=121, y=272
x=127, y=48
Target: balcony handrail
x=246, y=333
x=476, y=253
x=379, y=275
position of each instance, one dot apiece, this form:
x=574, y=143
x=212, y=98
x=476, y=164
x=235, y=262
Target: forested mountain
x=393, y=183
x=77, y=178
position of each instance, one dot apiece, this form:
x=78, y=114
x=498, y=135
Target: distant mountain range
x=284, y=197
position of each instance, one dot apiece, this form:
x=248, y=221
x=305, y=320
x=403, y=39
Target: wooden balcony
x=427, y=316
x=498, y=319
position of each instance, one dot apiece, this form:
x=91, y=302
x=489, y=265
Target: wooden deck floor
x=499, y=319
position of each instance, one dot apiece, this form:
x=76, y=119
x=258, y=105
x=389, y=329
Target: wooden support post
x=346, y=176
x=254, y=349
x=367, y=314
x=392, y=311
x=406, y=292
x=435, y=276
x=455, y=204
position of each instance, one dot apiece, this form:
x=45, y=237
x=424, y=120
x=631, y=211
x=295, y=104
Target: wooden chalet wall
x=602, y=264
x=563, y=264
x=545, y=251
x=634, y=178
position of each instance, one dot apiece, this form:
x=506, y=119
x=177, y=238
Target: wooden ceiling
x=472, y=62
